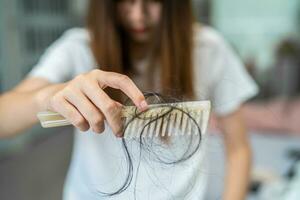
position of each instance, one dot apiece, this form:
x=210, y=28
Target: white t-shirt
x=98, y=162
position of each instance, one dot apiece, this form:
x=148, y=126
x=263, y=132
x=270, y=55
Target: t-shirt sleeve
x=55, y=64
x=233, y=85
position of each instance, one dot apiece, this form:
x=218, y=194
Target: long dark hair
x=173, y=46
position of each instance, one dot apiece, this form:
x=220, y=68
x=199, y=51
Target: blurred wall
x=27, y=28
x=256, y=27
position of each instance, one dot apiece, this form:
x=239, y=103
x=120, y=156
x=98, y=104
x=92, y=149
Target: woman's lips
x=139, y=30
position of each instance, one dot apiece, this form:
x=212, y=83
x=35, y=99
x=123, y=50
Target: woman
x=147, y=44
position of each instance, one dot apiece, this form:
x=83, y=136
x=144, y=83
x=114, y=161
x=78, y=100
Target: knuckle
x=97, y=120
x=90, y=111
x=69, y=89
x=79, y=121
x=95, y=72
x=82, y=81
x=57, y=97
x=124, y=78
x=56, y=100
x=110, y=107
x=70, y=114
x=80, y=78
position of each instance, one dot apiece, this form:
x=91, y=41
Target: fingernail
x=143, y=105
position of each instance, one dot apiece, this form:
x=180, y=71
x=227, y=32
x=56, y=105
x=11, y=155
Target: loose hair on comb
x=192, y=145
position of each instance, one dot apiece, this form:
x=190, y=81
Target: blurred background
x=264, y=33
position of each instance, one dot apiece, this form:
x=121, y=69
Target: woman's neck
x=139, y=51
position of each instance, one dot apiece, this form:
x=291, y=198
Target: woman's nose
x=138, y=11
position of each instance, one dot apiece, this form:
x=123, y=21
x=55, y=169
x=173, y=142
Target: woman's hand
x=83, y=102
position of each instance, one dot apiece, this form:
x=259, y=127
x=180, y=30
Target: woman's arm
x=277, y=115
x=81, y=101
x=238, y=156
x=19, y=106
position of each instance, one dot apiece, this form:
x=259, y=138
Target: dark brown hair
x=173, y=45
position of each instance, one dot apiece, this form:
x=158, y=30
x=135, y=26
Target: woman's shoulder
x=74, y=37
x=77, y=33
x=206, y=36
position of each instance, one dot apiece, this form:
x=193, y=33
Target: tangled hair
x=190, y=144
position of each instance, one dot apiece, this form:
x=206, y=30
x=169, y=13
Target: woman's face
x=139, y=18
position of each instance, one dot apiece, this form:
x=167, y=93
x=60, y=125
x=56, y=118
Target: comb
x=166, y=119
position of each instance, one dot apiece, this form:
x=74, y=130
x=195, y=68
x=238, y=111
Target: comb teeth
x=153, y=122
x=174, y=123
x=167, y=125
x=176, y=127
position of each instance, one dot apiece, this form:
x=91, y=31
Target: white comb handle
x=49, y=119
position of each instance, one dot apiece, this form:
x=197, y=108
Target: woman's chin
x=140, y=38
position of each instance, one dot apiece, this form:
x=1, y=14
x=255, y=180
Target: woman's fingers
x=61, y=105
x=110, y=108
x=84, y=103
x=88, y=110
x=123, y=83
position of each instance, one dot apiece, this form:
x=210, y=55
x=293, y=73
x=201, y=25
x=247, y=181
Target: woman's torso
x=99, y=163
